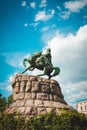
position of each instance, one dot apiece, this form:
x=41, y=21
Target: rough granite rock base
x=33, y=95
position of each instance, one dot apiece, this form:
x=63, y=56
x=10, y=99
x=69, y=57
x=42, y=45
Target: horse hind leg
x=49, y=76
x=56, y=71
x=45, y=73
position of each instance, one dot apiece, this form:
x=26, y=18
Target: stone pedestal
x=33, y=95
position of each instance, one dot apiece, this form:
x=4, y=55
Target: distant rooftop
x=82, y=100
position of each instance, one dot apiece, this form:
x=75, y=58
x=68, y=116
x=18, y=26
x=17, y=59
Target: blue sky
x=34, y=25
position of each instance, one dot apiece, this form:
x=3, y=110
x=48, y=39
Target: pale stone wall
x=82, y=107
x=33, y=95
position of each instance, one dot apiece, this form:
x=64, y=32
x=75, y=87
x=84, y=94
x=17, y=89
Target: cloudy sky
x=33, y=25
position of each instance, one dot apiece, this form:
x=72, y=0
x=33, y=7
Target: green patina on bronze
x=42, y=62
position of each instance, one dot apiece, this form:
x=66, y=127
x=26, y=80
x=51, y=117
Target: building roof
x=82, y=100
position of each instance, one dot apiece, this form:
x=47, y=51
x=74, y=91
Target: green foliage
x=66, y=120
x=72, y=120
x=42, y=122
x=10, y=100
x=3, y=103
x=8, y=122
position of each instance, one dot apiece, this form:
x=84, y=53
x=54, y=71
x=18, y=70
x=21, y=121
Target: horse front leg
x=25, y=70
x=29, y=68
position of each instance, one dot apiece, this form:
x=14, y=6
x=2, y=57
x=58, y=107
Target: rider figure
x=45, y=59
x=48, y=56
x=42, y=62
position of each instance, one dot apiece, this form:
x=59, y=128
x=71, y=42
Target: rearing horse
x=42, y=62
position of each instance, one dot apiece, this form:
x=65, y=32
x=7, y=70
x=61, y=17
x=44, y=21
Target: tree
x=3, y=103
x=10, y=100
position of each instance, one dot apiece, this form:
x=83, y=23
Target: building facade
x=82, y=107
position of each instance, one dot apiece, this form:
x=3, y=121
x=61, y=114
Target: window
x=81, y=108
x=85, y=107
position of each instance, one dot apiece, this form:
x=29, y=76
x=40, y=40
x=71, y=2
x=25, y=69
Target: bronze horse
x=42, y=62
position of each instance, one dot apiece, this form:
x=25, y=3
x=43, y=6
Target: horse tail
x=24, y=62
x=56, y=71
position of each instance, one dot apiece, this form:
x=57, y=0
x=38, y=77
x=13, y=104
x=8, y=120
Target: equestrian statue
x=42, y=62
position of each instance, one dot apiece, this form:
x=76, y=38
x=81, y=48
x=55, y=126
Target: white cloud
x=25, y=24
x=24, y=57
x=73, y=47
x=9, y=88
x=23, y=3
x=3, y=85
x=70, y=54
x=10, y=78
x=64, y=14
x=74, y=92
x=53, y=25
x=15, y=59
x=32, y=4
x=35, y=25
x=45, y=29
x=43, y=3
x=6, y=85
x=75, y=6
x=59, y=8
x=52, y=12
x=85, y=16
x=43, y=16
